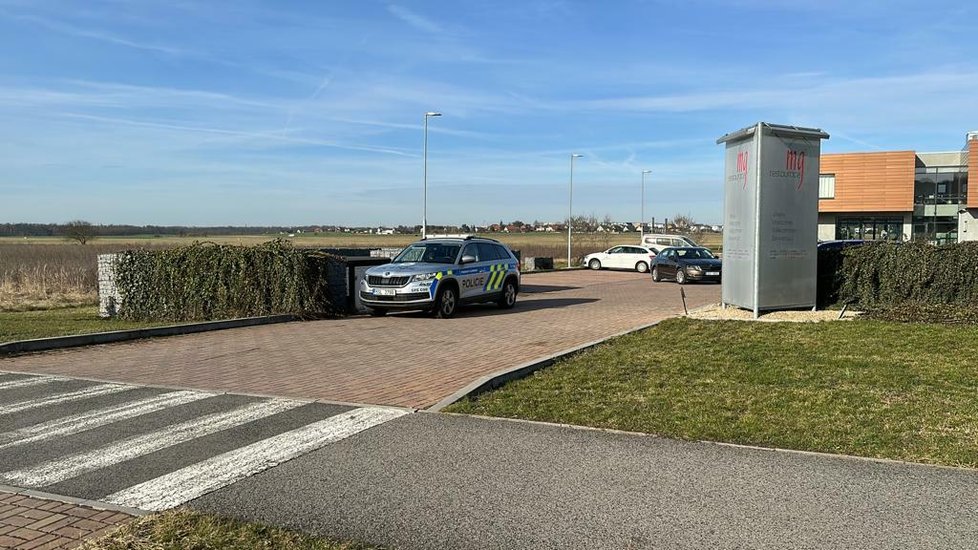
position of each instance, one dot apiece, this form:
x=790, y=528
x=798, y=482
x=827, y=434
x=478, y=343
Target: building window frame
x=826, y=186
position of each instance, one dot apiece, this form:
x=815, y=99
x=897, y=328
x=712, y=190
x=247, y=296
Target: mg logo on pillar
x=742, y=158
x=795, y=162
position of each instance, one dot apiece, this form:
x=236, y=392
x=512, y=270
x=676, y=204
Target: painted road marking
x=92, y=419
x=31, y=381
x=94, y=391
x=56, y=471
x=214, y=473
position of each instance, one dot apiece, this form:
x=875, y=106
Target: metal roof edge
x=775, y=129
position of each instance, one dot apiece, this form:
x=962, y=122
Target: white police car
x=439, y=274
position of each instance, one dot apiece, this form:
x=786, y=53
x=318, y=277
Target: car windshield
x=436, y=253
x=694, y=253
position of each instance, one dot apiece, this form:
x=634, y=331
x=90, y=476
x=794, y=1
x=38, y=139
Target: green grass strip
x=27, y=325
x=187, y=530
x=867, y=388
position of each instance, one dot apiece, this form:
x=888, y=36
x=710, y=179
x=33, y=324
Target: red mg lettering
x=795, y=161
x=742, y=158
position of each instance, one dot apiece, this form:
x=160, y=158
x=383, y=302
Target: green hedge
x=207, y=281
x=886, y=275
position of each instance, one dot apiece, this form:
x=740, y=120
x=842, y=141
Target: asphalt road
x=440, y=481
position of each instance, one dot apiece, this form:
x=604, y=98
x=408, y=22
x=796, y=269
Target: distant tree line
x=59, y=230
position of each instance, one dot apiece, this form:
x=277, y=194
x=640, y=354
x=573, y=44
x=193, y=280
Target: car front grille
x=376, y=280
x=396, y=298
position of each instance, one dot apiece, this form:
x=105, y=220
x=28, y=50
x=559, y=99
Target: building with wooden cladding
x=899, y=195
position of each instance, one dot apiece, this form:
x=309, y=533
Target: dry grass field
x=44, y=273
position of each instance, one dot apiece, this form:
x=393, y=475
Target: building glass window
x=826, y=186
x=870, y=228
x=941, y=185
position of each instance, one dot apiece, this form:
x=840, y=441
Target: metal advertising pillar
x=770, y=217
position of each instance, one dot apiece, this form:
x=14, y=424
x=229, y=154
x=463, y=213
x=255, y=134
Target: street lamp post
x=570, y=207
x=642, y=223
x=424, y=200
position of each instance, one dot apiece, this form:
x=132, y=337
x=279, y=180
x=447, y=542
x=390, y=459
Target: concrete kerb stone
x=498, y=378
x=96, y=504
x=57, y=342
x=822, y=454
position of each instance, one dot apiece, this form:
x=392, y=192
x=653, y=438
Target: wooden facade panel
x=864, y=182
x=973, y=173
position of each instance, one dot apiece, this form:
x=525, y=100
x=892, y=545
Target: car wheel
x=508, y=299
x=594, y=264
x=378, y=312
x=681, y=276
x=655, y=274
x=446, y=303
x=642, y=267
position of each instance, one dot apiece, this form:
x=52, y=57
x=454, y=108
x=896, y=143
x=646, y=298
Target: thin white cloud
x=415, y=20
x=64, y=28
x=267, y=136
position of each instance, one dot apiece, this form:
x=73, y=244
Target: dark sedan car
x=841, y=244
x=684, y=264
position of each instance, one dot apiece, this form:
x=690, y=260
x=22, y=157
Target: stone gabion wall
x=537, y=263
x=109, y=299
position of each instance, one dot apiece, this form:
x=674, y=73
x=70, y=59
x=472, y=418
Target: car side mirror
x=467, y=259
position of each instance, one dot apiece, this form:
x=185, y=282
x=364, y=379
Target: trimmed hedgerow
x=885, y=275
x=207, y=281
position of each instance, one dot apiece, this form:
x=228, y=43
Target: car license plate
x=712, y=273
x=384, y=291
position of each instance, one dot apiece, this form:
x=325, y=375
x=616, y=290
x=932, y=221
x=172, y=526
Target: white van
x=660, y=241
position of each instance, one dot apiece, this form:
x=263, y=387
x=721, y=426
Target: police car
x=440, y=273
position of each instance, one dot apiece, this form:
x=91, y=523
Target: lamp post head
x=576, y=156
x=646, y=172
x=432, y=113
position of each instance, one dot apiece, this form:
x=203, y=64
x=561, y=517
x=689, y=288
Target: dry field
x=43, y=273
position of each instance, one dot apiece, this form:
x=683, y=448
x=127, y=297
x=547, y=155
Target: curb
x=97, y=504
x=57, y=342
x=741, y=446
x=500, y=377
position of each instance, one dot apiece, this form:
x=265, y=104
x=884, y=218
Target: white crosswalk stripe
x=94, y=391
x=88, y=420
x=106, y=437
x=199, y=479
x=71, y=466
x=30, y=381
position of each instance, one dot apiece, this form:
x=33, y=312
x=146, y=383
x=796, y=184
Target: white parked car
x=624, y=256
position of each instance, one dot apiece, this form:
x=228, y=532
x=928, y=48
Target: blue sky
x=286, y=112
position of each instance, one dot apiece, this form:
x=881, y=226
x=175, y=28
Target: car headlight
x=694, y=268
x=425, y=277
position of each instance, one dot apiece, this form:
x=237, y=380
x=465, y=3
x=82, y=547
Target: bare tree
x=683, y=221
x=78, y=230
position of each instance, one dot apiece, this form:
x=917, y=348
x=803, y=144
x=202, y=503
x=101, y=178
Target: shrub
x=206, y=281
x=885, y=275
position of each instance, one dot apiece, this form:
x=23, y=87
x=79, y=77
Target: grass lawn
x=26, y=325
x=181, y=529
x=868, y=388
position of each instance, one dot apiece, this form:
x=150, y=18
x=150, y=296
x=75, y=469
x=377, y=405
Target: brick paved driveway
x=405, y=359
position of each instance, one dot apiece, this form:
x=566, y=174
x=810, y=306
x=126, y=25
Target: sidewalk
x=35, y=523
x=406, y=359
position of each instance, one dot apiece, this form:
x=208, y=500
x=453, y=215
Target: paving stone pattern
x=36, y=524
x=406, y=359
